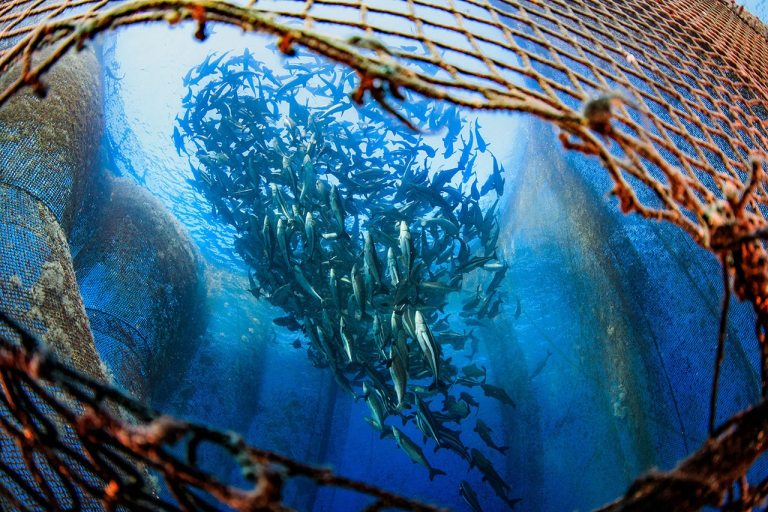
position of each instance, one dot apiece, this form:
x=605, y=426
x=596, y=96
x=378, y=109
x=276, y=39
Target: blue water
x=627, y=309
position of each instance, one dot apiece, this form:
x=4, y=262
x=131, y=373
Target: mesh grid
x=138, y=274
x=689, y=73
x=670, y=95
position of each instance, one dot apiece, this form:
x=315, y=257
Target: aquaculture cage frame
x=670, y=96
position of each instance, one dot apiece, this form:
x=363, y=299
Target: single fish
x=333, y=283
x=414, y=453
x=346, y=339
x=497, y=393
x=379, y=334
x=490, y=475
x=178, y=141
x=450, y=228
x=302, y=280
x=279, y=201
x=498, y=277
x=475, y=372
x=282, y=242
x=394, y=276
x=454, y=339
x=337, y=208
x=450, y=439
x=309, y=230
x=428, y=345
x=484, y=431
x=473, y=263
x=376, y=404
x=398, y=369
x=431, y=426
x=371, y=259
x=470, y=496
x=358, y=288
x=455, y=410
x=405, y=248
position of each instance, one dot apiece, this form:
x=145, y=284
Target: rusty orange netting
x=689, y=75
x=671, y=96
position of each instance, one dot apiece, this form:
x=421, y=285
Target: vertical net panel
x=138, y=274
x=669, y=95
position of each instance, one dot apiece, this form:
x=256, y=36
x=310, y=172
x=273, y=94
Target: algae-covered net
x=669, y=95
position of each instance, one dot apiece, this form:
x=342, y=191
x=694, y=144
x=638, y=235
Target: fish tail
x=438, y=385
x=433, y=472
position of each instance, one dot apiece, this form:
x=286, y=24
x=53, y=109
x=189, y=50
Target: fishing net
x=670, y=96
x=138, y=274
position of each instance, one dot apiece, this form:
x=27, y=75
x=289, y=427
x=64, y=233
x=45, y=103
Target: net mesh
x=669, y=95
x=683, y=81
x=138, y=274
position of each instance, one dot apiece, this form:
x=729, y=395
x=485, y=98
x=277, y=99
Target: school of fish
x=347, y=228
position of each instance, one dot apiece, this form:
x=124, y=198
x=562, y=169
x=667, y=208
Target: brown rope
x=670, y=95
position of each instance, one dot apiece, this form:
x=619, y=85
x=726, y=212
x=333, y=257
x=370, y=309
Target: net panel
x=669, y=95
x=683, y=81
x=138, y=275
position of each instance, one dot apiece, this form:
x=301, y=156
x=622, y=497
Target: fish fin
x=433, y=472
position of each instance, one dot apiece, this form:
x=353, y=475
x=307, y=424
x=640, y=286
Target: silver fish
x=358, y=288
x=428, y=345
x=282, y=242
x=394, y=275
x=405, y=248
x=338, y=208
x=309, y=230
x=302, y=280
x=371, y=259
x=427, y=419
x=398, y=369
x=346, y=339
